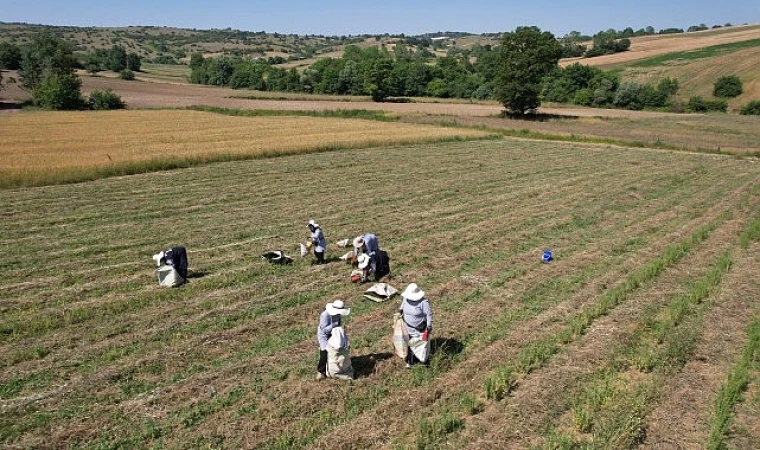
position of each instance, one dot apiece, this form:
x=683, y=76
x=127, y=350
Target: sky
x=411, y=17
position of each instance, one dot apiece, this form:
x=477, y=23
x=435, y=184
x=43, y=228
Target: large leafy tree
x=47, y=71
x=10, y=56
x=526, y=56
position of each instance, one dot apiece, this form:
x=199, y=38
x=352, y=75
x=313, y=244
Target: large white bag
x=338, y=339
x=168, y=276
x=380, y=292
x=420, y=348
x=339, y=356
x=400, y=337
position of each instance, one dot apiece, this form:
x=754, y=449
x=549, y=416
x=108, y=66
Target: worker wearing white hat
x=329, y=319
x=418, y=317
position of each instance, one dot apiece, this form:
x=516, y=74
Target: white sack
x=168, y=276
x=400, y=337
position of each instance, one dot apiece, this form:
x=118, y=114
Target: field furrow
x=683, y=417
x=94, y=354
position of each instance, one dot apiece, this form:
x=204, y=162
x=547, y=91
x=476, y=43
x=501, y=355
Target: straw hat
x=337, y=308
x=363, y=261
x=413, y=292
x=358, y=241
x=312, y=223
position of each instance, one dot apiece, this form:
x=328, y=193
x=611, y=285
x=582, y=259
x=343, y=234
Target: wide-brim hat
x=413, y=292
x=337, y=308
x=158, y=257
x=358, y=241
x=363, y=261
x=313, y=224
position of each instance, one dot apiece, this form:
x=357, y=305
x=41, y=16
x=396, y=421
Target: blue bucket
x=547, y=256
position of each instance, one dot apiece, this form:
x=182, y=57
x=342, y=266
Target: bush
x=751, y=109
x=628, y=95
x=58, y=92
x=728, y=87
x=127, y=75
x=104, y=100
x=583, y=97
x=483, y=92
x=698, y=104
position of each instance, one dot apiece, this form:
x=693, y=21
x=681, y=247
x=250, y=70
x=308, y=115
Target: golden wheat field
x=40, y=146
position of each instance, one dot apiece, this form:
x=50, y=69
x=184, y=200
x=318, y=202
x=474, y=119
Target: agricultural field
x=644, y=332
x=695, y=59
x=90, y=145
x=720, y=133
x=646, y=47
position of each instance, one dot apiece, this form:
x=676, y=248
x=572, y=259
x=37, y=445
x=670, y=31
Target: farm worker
x=328, y=320
x=418, y=317
x=172, y=266
x=318, y=241
x=368, y=244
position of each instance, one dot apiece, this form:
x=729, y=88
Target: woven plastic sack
x=169, y=277
x=400, y=337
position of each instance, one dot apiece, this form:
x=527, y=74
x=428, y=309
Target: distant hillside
x=695, y=59
x=174, y=45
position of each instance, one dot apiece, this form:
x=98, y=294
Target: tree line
x=520, y=72
x=376, y=72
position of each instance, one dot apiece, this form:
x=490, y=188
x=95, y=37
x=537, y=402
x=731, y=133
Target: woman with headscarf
x=328, y=320
x=418, y=317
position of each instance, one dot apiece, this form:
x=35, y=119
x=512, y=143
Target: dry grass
x=40, y=145
x=697, y=77
x=649, y=46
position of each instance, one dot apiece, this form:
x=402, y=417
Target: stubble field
x=624, y=341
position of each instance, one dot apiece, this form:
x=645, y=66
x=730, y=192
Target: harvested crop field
x=43, y=147
x=637, y=322
x=650, y=46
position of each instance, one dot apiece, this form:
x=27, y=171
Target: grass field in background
x=41, y=148
x=649, y=300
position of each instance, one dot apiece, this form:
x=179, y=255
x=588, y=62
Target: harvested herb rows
x=95, y=355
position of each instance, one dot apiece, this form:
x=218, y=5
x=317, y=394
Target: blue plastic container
x=547, y=256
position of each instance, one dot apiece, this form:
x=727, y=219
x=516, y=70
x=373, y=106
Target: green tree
x=117, y=59
x=10, y=56
x=527, y=55
x=133, y=62
x=104, y=100
x=47, y=72
x=751, y=109
x=92, y=64
x=728, y=87
x=59, y=91
x=45, y=55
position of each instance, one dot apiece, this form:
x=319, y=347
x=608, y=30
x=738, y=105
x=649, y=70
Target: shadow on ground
x=364, y=365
